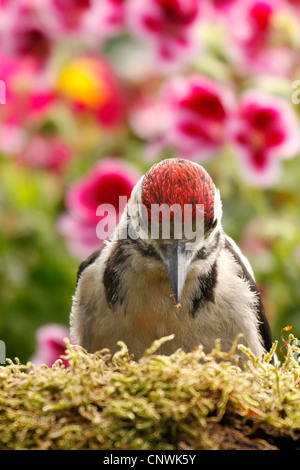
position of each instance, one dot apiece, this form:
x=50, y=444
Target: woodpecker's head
x=179, y=214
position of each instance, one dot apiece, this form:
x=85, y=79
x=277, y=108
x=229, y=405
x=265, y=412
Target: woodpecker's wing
x=247, y=274
x=89, y=260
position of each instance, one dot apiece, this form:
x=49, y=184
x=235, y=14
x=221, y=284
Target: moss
x=183, y=401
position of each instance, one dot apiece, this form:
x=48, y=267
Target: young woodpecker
x=140, y=287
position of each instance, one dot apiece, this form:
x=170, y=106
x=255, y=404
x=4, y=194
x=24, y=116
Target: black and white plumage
x=124, y=290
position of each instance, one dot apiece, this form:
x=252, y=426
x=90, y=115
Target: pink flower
x=256, y=243
x=167, y=24
x=264, y=131
x=12, y=139
x=23, y=33
x=223, y=5
x=88, y=84
x=147, y=115
x=69, y=14
x=28, y=98
x=106, y=18
x=107, y=180
x=28, y=94
x=45, y=152
x=263, y=44
x=80, y=236
x=50, y=345
x=198, y=111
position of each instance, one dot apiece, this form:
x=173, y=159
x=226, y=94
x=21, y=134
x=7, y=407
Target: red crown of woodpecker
x=181, y=182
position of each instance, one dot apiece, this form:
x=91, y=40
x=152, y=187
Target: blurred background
x=93, y=92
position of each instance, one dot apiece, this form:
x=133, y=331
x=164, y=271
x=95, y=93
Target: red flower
x=105, y=183
x=23, y=32
x=198, y=110
x=265, y=130
x=68, y=13
x=27, y=101
x=168, y=24
x=50, y=345
x=262, y=45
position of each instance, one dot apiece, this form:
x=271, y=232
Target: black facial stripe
x=205, y=252
x=118, y=263
x=114, y=270
x=205, y=290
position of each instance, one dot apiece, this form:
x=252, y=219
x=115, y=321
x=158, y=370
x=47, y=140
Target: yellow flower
x=83, y=80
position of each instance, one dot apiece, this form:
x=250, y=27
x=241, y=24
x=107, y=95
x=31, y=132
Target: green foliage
x=37, y=275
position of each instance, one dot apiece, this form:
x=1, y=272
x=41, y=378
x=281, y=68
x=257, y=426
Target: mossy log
x=189, y=401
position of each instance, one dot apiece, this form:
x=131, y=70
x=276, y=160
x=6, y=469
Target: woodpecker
x=137, y=288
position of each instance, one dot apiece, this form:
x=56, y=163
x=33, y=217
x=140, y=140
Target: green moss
x=183, y=401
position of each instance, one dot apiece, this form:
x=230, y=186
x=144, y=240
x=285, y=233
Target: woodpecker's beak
x=177, y=260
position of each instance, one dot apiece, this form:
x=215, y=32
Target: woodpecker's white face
x=180, y=214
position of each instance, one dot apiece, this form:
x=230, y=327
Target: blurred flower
x=45, y=152
x=23, y=33
x=107, y=180
x=28, y=94
x=28, y=97
x=256, y=241
x=106, y=18
x=223, y=5
x=89, y=84
x=265, y=130
x=264, y=35
x=12, y=138
x=68, y=13
x=147, y=114
x=167, y=24
x=198, y=110
x=50, y=345
x=80, y=236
